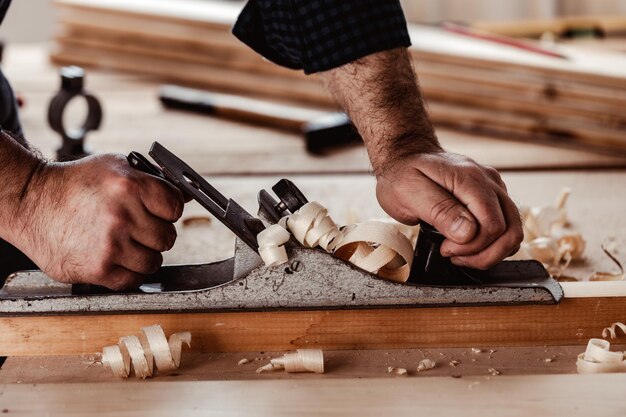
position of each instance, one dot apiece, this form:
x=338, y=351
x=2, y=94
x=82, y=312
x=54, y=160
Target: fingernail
x=461, y=227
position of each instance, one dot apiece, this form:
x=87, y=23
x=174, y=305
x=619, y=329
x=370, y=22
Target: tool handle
x=236, y=108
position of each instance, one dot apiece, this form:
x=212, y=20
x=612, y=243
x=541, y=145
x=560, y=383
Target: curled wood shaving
x=379, y=248
x=243, y=361
x=375, y=246
x=609, y=276
x=302, y=360
x=454, y=363
x=611, y=330
x=493, y=371
x=598, y=358
x=397, y=371
x=312, y=227
x=144, y=352
x=271, y=245
x=426, y=364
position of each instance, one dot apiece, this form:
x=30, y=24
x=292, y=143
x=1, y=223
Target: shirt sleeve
x=318, y=35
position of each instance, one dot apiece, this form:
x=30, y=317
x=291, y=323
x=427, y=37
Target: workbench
x=242, y=159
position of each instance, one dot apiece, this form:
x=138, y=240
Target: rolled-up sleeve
x=318, y=35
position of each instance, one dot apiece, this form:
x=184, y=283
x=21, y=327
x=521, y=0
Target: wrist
x=28, y=214
x=400, y=148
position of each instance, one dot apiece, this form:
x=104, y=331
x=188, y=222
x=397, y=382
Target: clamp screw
x=296, y=266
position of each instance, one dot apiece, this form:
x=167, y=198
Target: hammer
x=321, y=130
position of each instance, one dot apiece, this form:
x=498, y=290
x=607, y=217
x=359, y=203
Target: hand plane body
x=312, y=279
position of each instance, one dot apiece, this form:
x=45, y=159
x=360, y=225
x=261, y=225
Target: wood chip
x=454, y=363
x=426, y=364
x=477, y=350
x=493, y=371
x=142, y=353
x=243, y=361
x=397, y=371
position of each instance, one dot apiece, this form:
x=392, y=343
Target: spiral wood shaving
x=375, y=246
x=598, y=358
x=302, y=360
x=142, y=353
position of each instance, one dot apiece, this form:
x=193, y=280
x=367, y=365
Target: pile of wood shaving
x=550, y=238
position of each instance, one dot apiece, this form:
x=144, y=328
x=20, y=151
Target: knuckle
x=443, y=210
x=121, y=185
x=496, y=228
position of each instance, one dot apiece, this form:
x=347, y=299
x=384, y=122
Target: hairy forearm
x=381, y=94
x=19, y=168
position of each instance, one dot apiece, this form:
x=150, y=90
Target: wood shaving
x=397, y=371
x=196, y=221
x=375, y=246
x=548, y=360
x=454, y=363
x=426, y=364
x=477, y=350
x=271, y=245
x=302, y=360
x=611, y=330
x=243, y=361
x=598, y=358
x=493, y=371
x=609, y=276
x=549, y=237
x=142, y=353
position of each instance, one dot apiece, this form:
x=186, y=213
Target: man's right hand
x=99, y=221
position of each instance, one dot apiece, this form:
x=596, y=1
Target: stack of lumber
x=470, y=84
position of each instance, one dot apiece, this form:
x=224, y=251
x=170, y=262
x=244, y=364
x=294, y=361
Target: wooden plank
x=571, y=395
x=573, y=321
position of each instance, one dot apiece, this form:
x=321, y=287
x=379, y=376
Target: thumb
x=437, y=206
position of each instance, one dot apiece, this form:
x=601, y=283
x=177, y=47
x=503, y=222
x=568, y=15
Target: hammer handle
x=237, y=108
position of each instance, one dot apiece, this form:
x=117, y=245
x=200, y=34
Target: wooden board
x=133, y=119
x=571, y=395
x=573, y=321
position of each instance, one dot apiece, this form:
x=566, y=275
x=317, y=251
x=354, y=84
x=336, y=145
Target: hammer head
x=329, y=131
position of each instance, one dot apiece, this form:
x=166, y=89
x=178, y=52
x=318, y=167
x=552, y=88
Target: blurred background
x=30, y=21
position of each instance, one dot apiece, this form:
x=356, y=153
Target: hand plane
x=312, y=279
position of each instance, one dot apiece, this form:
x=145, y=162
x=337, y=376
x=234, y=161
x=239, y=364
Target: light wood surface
x=571, y=395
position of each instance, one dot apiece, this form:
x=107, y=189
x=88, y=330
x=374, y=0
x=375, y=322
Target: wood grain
x=573, y=321
x=571, y=395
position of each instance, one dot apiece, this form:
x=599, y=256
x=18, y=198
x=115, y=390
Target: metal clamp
x=72, y=82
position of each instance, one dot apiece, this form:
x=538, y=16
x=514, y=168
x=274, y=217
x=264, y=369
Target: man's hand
x=98, y=221
x=466, y=202
x=417, y=179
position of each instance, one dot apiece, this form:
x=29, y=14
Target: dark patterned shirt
x=318, y=35
x=4, y=6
